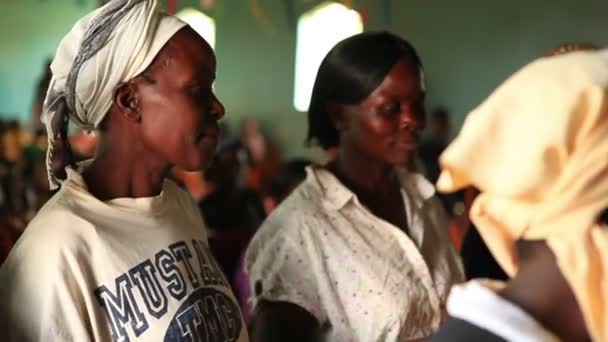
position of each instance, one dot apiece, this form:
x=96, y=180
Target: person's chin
x=195, y=163
x=403, y=160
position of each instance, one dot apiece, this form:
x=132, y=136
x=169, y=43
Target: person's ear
x=126, y=100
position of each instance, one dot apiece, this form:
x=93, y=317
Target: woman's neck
x=123, y=170
x=551, y=301
x=364, y=176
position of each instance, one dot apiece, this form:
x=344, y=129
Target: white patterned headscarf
x=109, y=46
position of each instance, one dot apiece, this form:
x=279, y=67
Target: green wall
x=30, y=31
x=467, y=47
x=470, y=46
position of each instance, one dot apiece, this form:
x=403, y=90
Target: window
x=201, y=23
x=318, y=31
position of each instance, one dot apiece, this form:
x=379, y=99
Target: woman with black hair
x=360, y=250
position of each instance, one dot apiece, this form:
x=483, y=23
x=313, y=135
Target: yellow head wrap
x=537, y=149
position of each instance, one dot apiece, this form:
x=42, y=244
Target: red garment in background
x=8, y=236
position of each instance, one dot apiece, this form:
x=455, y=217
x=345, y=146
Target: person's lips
x=407, y=142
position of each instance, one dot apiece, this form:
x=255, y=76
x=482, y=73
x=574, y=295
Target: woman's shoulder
x=305, y=202
x=299, y=215
x=57, y=232
x=64, y=209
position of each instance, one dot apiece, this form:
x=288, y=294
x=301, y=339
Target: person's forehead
x=191, y=50
x=403, y=79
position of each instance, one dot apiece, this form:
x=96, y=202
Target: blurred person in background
x=265, y=155
x=12, y=190
x=291, y=173
x=39, y=95
x=13, y=166
x=232, y=210
x=438, y=129
x=438, y=136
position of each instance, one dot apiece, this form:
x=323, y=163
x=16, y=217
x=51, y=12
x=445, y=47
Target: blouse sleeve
x=281, y=266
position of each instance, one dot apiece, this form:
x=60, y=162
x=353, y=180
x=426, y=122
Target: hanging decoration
x=259, y=15
x=290, y=8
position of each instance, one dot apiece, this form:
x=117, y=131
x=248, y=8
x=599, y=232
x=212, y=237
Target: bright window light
x=201, y=23
x=318, y=31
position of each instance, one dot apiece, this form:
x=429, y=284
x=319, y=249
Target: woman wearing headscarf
x=476, y=257
x=120, y=252
x=537, y=149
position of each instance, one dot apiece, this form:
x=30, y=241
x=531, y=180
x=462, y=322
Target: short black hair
x=351, y=71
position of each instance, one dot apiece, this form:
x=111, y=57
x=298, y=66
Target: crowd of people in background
x=356, y=247
x=248, y=176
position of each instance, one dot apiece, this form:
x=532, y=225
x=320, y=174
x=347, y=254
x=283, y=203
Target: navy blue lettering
x=145, y=277
x=191, y=325
x=227, y=315
x=208, y=274
x=165, y=263
x=208, y=315
x=182, y=253
x=211, y=315
x=121, y=308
